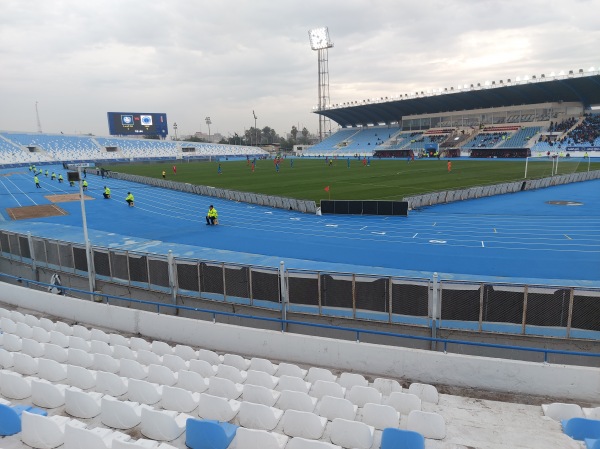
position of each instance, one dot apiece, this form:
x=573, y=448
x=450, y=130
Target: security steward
x=106, y=193
x=129, y=199
x=212, y=218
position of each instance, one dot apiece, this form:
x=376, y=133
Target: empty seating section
x=109, y=387
x=59, y=147
x=423, y=141
x=486, y=140
x=367, y=140
x=329, y=144
x=521, y=138
x=401, y=140
x=11, y=153
x=352, y=141
x=34, y=147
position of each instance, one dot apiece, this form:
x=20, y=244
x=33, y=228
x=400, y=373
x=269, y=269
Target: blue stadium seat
x=208, y=434
x=10, y=417
x=401, y=439
x=581, y=428
x=592, y=443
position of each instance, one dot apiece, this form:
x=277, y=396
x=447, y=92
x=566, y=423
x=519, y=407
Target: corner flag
x=327, y=189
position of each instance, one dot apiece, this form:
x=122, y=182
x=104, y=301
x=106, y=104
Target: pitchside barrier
x=450, y=196
x=431, y=303
x=263, y=200
x=350, y=207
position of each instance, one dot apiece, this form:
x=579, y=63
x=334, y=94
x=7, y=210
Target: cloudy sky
x=191, y=58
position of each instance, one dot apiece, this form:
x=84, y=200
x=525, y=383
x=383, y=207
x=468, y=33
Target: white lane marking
x=295, y=219
x=435, y=223
x=415, y=235
x=378, y=233
x=331, y=226
x=482, y=245
x=437, y=241
x=364, y=227
x=568, y=237
x=495, y=232
x=269, y=213
x=11, y=194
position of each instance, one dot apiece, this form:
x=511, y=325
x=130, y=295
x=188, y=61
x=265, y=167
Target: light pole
x=208, y=122
x=319, y=42
x=255, y=130
x=175, y=129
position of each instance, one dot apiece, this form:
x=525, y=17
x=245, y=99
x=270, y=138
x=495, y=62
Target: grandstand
x=18, y=148
x=522, y=112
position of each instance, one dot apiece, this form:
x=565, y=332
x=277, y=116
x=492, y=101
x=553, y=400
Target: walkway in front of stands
x=514, y=238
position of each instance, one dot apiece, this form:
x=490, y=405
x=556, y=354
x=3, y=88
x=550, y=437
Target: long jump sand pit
x=44, y=210
x=66, y=198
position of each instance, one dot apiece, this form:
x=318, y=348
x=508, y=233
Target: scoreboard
x=137, y=124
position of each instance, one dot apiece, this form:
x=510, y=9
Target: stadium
x=468, y=317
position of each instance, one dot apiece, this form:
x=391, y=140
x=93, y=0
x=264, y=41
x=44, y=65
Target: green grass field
x=382, y=180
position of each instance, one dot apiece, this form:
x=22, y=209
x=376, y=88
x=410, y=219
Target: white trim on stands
x=559, y=381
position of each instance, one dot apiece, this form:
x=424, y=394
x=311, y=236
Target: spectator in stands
x=106, y=193
x=212, y=217
x=37, y=182
x=129, y=199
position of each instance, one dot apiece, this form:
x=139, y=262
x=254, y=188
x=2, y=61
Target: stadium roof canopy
x=578, y=88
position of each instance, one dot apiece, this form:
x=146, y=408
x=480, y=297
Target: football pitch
x=380, y=180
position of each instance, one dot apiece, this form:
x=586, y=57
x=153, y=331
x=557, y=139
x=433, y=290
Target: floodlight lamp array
x=319, y=38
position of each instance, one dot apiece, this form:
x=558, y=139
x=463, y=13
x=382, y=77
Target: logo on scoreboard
x=146, y=120
x=127, y=120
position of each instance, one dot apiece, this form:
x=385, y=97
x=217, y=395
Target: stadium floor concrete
x=512, y=238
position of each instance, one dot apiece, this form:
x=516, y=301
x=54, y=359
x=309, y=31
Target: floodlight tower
x=319, y=41
x=208, y=122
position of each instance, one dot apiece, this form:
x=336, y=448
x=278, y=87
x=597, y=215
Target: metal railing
x=546, y=310
x=450, y=196
x=107, y=298
x=279, y=202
